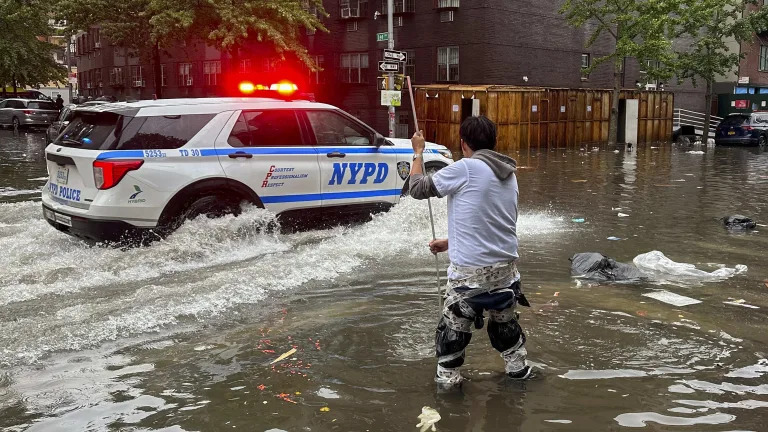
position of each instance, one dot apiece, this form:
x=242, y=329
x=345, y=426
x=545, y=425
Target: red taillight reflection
x=107, y=174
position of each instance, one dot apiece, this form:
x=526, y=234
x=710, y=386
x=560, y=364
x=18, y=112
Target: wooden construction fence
x=535, y=118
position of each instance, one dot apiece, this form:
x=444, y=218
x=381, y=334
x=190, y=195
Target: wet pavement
x=179, y=336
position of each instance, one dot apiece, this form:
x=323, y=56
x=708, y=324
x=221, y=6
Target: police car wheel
x=430, y=168
x=211, y=206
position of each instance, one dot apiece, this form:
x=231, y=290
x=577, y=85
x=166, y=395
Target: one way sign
x=399, y=56
x=388, y=66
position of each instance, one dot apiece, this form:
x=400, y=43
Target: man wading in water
x=482, y=246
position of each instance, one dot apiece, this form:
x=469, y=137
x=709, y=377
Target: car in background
x=18, y=113
x=743, y=129
x=64, y=118
x=27, y=94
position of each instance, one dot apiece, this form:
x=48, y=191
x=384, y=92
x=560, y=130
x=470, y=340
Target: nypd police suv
x=145, y=167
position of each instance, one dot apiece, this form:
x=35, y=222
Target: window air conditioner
x=346, y=13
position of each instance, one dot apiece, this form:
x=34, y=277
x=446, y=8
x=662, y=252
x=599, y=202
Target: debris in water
x=578, y=220
x=286, y=397
x=740, y=302
x=261, y=387
x=623, y=215
x=284, y=355
x=556, y=294
x=325, y=409
x=613, y=238
x=428, y=418
x=579, y=181
x=696, y=152
x=672, y=298
x=615, y=151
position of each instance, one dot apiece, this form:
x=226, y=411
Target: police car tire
x=431, y=168
x=211, y=206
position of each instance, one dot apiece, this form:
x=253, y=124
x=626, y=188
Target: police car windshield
x=111, y=131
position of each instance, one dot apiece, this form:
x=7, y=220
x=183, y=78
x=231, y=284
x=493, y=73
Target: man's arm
x=421, y=186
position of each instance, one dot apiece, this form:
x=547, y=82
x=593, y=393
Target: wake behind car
x=743, y=129
x=139, y=170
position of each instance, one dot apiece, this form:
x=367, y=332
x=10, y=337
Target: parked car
x=743, y=129
x=22, y=112
x=27, y=94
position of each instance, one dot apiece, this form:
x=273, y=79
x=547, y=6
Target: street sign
x=381, y=37
x=385, y=66
x=391, y=98
x=399, y=56
x=398, y=82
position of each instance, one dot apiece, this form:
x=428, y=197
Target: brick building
x=511, y=42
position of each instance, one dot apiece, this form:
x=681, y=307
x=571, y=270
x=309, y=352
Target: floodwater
x=179, y=336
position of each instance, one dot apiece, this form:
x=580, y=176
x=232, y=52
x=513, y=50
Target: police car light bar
x=284, y=88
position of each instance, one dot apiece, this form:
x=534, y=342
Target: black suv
x=743, y=129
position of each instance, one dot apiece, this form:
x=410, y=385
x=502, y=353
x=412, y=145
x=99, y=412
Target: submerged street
x=179, y=336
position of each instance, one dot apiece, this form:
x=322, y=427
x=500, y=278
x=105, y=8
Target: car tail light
x=746, y=128
x=107, y=174
x=28, y=112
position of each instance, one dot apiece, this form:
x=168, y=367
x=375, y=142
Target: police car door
x=267, y=151
x=353, y=171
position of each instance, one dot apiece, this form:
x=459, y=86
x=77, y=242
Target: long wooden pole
x=429, y=203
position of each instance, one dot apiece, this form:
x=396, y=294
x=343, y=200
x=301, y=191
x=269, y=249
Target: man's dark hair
x=478, y=132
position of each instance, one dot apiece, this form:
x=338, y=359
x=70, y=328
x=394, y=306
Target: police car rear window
x=110, y=131
x=159, y=132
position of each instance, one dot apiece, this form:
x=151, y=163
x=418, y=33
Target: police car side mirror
x=380, y=140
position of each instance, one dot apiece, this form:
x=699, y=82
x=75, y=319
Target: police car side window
x=331, y=129
x=266, y=129
x=160, y=132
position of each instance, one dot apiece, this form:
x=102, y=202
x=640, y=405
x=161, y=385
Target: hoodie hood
x=501, y=165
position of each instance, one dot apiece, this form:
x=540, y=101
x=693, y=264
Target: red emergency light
x=284, y=88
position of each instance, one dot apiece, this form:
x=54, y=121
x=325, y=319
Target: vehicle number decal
x=154, y=154
x=190, y=152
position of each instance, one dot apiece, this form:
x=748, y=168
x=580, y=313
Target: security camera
x=376, y=14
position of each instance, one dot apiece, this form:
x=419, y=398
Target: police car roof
x=200, y=105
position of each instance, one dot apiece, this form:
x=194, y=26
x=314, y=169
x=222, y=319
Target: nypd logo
x=403, y=169
x=359, y=173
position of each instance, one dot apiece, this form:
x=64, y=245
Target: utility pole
x=391, y=43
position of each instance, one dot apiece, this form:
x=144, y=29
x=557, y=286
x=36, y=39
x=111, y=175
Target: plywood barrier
x=538, y=118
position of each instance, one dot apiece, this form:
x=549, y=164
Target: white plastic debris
x=742, y=303
x=428, y=418
x=658, y=265
x=623, y=215
x=672, y=298
x=696, y=152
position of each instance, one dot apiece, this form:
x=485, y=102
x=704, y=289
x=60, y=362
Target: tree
x=636, y=28
x=147, y=26
x=26, y=58
x=712, y=24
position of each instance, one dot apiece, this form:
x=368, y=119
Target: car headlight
x=445, y=153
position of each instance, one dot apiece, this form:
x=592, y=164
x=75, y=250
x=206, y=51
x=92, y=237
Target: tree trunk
x=613, y=124
x=707, y=112
x=15, y=87
x=158, y=72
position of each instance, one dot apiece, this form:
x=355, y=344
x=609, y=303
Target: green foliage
x=24, y=57
x=224, y=24
x=638, y=29
x=711, y=25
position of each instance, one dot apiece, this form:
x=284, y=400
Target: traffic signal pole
x=391, y=44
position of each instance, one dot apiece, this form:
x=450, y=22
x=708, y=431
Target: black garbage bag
x=738, y=222
x=596, y=266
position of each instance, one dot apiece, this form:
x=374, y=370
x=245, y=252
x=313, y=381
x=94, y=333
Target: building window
x=349, y=8
x=185, y=74
x=269, y=64
x=318, y=76
x=163, y=76
x=116, y=76
x=245, y=65
x=585, y=61
x=447, y=4
x=212, y=72
x=354, y=68
x=352, y=26
x=137, y=79
x=446, y=16
x=763, y=57
x=410, y=64
x=397, y=21
x=448, y=64
x=97, y=78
